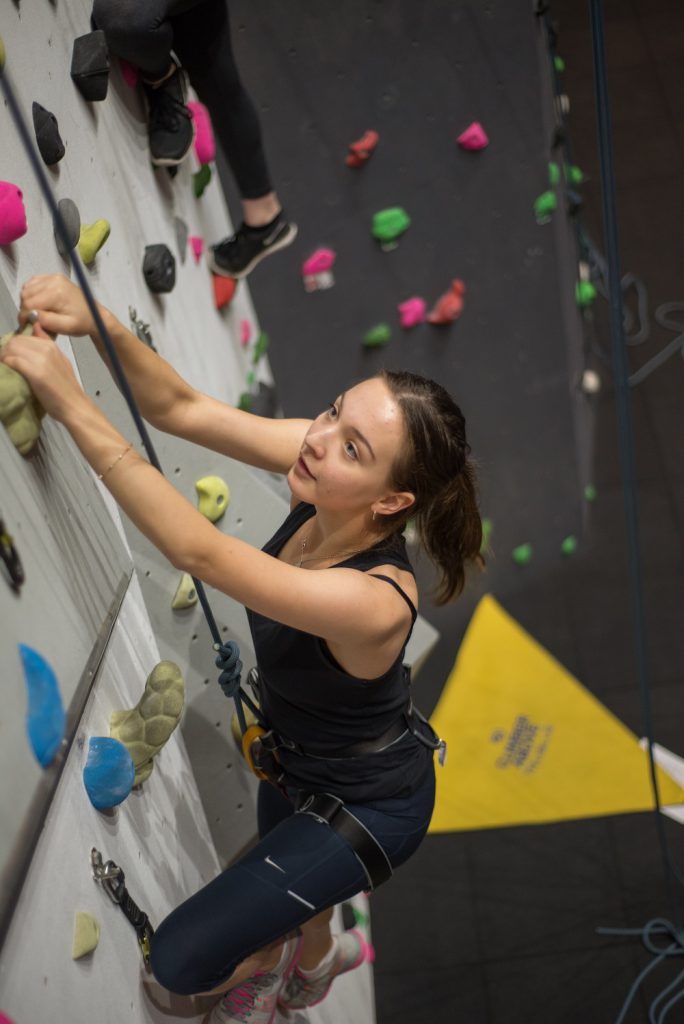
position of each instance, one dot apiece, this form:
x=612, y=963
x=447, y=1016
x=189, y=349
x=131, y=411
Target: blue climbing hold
x=109, y=772
x=45, y=718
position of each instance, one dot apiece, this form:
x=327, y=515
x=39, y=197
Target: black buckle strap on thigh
x=330, y=809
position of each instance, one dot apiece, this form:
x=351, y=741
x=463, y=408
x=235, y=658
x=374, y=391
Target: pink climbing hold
x=245, y=332
x=320, y=261
x=412, y=311
x=12, y=213
x=129, y=73
x=205, y=145
x=474, y=137
x=449, y=306
x=197, y=246
x=4, y=1019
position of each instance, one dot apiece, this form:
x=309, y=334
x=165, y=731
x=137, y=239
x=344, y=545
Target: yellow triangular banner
x=527, y=743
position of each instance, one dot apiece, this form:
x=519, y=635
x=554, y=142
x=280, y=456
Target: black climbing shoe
x=171, y=128
x=236, y=256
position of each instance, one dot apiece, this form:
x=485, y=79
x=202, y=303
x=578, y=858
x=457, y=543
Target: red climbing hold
x=474, y=137
x=360, y=151
x=12, y=213
x=449, y=306
x=224, y=290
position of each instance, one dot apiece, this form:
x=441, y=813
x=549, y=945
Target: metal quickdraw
x=112, y=879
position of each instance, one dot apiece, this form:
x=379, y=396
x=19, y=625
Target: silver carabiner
x=108, y=874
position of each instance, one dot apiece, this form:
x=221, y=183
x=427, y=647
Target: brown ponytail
x=436, y=468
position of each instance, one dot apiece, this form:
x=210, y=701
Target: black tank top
x=308, y=696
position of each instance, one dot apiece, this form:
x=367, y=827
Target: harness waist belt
x=274, y=740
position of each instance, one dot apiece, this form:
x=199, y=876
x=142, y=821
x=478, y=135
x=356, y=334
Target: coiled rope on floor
x=228, y=652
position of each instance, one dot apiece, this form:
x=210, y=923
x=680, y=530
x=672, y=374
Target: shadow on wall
x=217, y=765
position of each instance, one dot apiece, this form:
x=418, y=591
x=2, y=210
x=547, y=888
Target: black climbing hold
x=47, y=135
x=159, y=268
x=10, y=559
x=72, y=223
x=90, y=65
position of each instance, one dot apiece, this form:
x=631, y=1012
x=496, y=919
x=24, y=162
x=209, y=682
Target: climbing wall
x=96, y=603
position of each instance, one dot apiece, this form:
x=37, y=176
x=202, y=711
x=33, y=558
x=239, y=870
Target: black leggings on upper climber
x=145, y=32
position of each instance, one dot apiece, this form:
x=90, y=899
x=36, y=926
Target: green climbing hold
x=92, y=238
x=201, y=179
x=389, y=224
x=544, y=205
x=359, y=916
x=213, y=496
x=487, y=530
x=260, y=347
x=144, y=729
x=554, y=174
x=245, y=401
x=20, y=410
x=574, y=174
x=585, y=293
x=569, y=545
x=86, y=934
x=2, y=54
x=590, y=493
x=522, y=555
x=250, y=379
x=377, y=336
x=186, y=594
x=559, y=64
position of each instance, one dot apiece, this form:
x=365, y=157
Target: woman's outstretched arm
x=339, y=605
x=165, y=399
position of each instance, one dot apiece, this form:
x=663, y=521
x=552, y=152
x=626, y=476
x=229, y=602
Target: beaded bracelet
x=101, y=476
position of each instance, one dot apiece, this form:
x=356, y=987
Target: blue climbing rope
x=228, y=653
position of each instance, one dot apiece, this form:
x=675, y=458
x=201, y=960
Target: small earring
x=374, y=514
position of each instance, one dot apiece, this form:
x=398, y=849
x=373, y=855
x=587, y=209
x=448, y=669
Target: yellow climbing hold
x=186, y=594
x=20, y=411
x=86, y=934
x=2, y=54
x=92, y=238
x=528, y=744
x=214, y=497
x=145, y=728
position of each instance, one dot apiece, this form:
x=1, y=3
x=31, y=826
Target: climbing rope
x=628, y=330
x=228, y=652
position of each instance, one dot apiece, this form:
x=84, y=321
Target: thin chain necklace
x=320, y=558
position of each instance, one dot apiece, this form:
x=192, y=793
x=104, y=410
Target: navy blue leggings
x=299, y=867
x=144, y=32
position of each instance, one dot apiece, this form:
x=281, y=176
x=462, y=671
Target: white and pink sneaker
x=254, y=1000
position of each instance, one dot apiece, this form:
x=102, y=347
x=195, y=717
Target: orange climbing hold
x=449, y=306
x=360, y=151
x=224, y=290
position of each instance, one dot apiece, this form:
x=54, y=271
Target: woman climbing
x=331, y=602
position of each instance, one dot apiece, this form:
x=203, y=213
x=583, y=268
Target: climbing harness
x=113, y=881
x=260, y=747
x=269, y=741
x=10, y=558
x=330, y=810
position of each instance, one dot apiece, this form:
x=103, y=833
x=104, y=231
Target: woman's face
x=349, y=450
